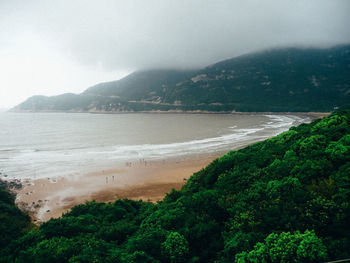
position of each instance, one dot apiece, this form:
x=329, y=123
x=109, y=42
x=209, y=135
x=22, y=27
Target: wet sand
x=148, y=181
x=145, y=180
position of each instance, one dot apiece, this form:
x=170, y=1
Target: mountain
x=141, y=85
x=288, y=79
x=285, y=199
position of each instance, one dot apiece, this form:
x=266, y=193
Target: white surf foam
x=51, y=162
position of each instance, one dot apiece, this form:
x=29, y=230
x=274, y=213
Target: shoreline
x=315, y=114
x=51, y=197
x=149, y=180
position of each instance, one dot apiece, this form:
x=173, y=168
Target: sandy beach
x=68, y=159
x=145, y=180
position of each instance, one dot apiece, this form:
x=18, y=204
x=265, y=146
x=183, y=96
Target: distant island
x=276, y=80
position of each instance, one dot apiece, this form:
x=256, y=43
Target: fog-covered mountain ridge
x=285, y=79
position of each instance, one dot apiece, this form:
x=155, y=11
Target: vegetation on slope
x=288, y=79
x=13, y=222
x=282, y=200
x=274, y=80
x=140, y=85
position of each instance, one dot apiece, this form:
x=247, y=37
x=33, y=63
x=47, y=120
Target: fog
x=52, y=47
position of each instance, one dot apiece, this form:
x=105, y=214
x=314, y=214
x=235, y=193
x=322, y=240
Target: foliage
x=287, y=247
x=282, y=200
x=13, y=222
x=175, y=247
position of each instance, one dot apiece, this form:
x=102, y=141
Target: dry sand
x=148, y=181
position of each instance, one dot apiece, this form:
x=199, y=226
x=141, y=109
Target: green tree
x=287, y=247
x=175, y=248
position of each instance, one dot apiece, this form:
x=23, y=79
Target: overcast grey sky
x=51, y=47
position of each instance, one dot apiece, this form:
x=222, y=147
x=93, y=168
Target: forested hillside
x=13, y=222
x=285, y=199
x=288, y=79
x=140, y=85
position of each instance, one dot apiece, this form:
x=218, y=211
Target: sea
x=47, y=145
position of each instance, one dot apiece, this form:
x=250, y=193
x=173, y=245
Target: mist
x=52, y=47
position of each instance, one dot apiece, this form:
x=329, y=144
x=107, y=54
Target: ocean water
x=41, y=145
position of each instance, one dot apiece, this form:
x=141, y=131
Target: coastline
x=314, y=114
x=146, y=180
x=50, y=198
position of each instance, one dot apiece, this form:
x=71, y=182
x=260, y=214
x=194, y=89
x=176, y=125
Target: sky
x=50, y=47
